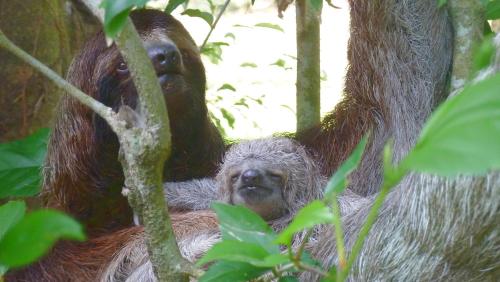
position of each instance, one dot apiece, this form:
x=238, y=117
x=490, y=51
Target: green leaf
x=10, y=214
x=213, y=50
x=225, y=250
x=232, y=271
x=116, y=13
x=172, y=4
x=199, y=14
x=332, y=275
x=273, y=260
x=484, y=54
x=241, y=224
x=316, y=212
x=230, y=35
x=338, y=181
x=227, y=86
x=316, y=4
x=280, y=63
x=218, y=123
x=242, y=102
x=20, y=163
x=441, y=3
x=463, y=135
x=35, y=234
x=248, y=64
x=242, y=25
x=493, y=10
x=308, y=259
x=228, y=116
x=271, y=26
x=3, y=269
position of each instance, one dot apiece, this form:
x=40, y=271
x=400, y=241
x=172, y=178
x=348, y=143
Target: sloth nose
x=166, y=58
x=251, y=176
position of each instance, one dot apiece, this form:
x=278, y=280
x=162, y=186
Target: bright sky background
x=274, y=85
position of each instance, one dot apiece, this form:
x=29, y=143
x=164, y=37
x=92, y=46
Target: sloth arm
x=196, y=194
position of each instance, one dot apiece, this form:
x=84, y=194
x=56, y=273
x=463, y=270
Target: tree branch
x=105, y=112
x=468, y=18
x=144, y=142
x=212, y=27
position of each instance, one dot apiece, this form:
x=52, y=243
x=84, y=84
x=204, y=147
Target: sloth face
x=175, y=59
x=258, y=186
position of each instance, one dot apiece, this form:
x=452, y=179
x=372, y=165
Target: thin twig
x=105, y=112
x=212, y=27
x=309, y=268
x=339, y=235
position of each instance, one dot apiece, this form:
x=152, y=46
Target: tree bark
x=51, y=30
x=308, y=65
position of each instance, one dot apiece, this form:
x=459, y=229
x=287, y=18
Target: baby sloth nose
x=251, y=176
x=166, y=58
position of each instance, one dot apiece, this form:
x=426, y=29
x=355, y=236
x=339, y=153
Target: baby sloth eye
x=276, y=176
x=234, y=177
x=122, y=68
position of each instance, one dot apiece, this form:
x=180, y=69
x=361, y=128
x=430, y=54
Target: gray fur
x=196, y=194
x=132, y=262
x=304, y=183
x=400, y=56
x=429, y=229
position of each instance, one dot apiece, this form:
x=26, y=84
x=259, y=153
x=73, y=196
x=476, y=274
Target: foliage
x=20, y=163
x=462, y=136
x=25, y=237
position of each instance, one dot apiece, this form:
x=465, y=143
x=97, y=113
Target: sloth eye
x=234, y=177
x=276, y=177
x=122, y=68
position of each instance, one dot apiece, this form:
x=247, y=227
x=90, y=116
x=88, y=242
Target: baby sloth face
x=259, y=186
x=274, y=177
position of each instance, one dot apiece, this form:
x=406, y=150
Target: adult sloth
x=82, y=174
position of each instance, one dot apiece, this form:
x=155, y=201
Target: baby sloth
x=274, y=177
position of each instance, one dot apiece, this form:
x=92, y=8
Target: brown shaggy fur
x=82, y=174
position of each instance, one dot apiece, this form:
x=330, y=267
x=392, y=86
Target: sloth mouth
x=170, y=81
x=254, y=191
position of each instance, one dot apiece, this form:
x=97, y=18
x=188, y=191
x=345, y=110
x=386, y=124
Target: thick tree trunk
x=51, y=30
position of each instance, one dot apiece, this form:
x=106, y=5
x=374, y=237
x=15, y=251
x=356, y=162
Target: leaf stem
x=339, y=235
x=105, y=112
x=212, y=26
